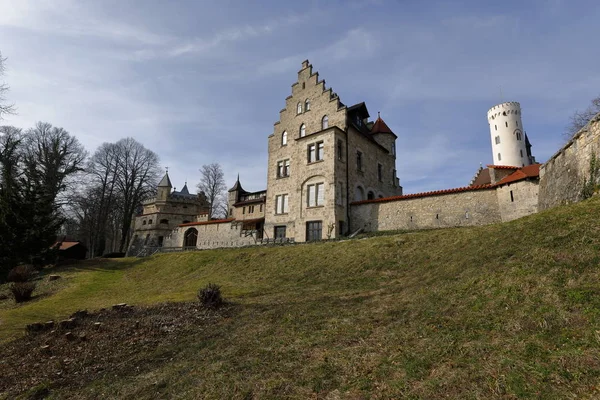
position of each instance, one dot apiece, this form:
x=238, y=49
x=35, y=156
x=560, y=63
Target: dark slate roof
x=237, y=186
x=165, y=181
x=184, y=190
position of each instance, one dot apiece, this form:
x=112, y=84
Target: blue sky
x=201, y=82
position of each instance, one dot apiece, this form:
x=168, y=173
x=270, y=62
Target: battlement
x=506, y=108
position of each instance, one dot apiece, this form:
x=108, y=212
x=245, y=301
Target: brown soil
x=116, y=342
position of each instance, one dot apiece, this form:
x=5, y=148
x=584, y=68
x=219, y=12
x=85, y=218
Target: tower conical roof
x=165, y=181
x=381, y=127
x=184, y=190
x=237, y=185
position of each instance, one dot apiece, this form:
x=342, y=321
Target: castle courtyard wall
x=518, y=199
x=468, y=208
x=212, y=236
x=563, y=175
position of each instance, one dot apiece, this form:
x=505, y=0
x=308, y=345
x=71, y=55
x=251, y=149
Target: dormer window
x=299, y=108
x=325, y=122
x=302, y=130
x=284, y=138
x=306, y=105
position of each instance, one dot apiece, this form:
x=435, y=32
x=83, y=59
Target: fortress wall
x=212, y=236
x=469, y=208
x=524, y=200
x=562, y=176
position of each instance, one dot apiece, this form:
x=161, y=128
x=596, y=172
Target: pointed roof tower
x=184, y=190
x=237, y=185
x=165, y=181
x=380, y=126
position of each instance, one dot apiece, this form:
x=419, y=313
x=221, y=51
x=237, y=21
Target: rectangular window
x=279, y=232
x=497, y=138
x=283, y=168
x=394, y=148
x=359, y=160
x=314, y=230
x=499, y=157
x=340, y=194
x=315, y=152
x=260, y=208
x=281, y=204
x=250, y=209
x=340, y=149
x=380, y=172
x=244, y=210
x=315, y=195
x=512, y=199
x=340, y=228
x=393, y=177
x=521, y=153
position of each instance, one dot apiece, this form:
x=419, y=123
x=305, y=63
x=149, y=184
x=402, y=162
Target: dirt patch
x=122, y=341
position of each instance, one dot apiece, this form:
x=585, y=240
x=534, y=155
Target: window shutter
x=285, y=203
x=278, y=205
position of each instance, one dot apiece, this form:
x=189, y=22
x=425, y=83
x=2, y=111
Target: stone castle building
x=332, y=171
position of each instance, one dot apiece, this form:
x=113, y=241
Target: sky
x=203, y=81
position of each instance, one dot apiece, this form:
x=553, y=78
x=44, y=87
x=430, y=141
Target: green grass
x=503, y=311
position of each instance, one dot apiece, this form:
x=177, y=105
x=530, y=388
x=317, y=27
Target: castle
x=332, y=172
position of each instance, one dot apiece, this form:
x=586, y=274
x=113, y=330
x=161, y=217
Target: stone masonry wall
x=212, y=236
x=562, y=176
x=470, y=208
x=524, y=199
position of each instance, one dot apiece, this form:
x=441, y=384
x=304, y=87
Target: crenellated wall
x=562, y=176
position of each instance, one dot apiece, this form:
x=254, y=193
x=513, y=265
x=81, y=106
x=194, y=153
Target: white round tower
x=508, y=138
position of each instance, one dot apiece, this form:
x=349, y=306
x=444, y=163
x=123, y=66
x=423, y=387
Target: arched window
x=359, y=194
x=302, y=130
x=306, y=105
x=150, y=222
x=144, y=222
x=284, y=138
x=299, y=108
x=190, y=238
x=325, y=122
x=370, y=195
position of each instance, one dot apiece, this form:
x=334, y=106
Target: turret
x=233, y=194
x=164, y=188
x=384, y=135
x=509, y=142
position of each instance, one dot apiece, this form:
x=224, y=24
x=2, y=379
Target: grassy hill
x=503, y=311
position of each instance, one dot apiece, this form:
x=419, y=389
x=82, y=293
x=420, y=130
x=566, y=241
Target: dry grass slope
x=503, y=311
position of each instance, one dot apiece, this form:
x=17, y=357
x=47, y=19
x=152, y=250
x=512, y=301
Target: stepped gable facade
x=323, y=155
x=332, y=171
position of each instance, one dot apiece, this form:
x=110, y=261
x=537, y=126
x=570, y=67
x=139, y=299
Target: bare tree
x=580, y=118
x=212, y=184
x=4, y=108
x=136, y=179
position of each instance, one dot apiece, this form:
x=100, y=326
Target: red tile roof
x=503, y=167
x=214, y=221
x=65, y=245
x=425, y=194
x=530, y=171
x=381, y=127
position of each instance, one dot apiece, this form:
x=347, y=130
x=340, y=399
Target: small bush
x=210, y=296
x=21, y=273
x=22, y=291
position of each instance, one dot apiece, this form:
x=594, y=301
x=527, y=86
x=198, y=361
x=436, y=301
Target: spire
x=165, y=181
x=237, y=185
x=184, y=189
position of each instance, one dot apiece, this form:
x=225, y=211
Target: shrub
x=21, y=273
x=22, y=291
x=210, y=296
